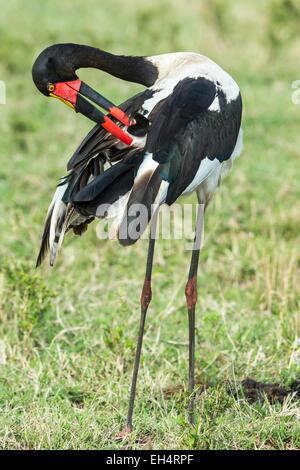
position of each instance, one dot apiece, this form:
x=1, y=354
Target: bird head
x=54, y=74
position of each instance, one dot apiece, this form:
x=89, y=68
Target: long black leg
x=145, y=301
x=191, y=300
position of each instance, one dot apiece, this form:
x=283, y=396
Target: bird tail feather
x=53, y=228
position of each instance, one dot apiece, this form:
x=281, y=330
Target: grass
x=67, y=335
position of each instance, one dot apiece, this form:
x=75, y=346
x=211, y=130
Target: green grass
x=67, y=335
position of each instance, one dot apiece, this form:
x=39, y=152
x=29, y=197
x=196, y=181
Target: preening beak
x=101, y=101
x=72, y=93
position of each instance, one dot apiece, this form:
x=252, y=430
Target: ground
x=67, y=335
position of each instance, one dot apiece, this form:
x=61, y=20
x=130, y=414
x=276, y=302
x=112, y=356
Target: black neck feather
x=68, y=58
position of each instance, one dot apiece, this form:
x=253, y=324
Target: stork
x=180, y=135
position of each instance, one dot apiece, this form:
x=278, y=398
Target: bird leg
x=191, y=300
x=145, y=301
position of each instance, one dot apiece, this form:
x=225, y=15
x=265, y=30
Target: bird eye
x=51, y=87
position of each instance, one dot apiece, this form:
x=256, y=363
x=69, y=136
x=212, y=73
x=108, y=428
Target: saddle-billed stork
x=179, y=135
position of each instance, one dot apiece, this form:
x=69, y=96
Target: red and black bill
x=73, y=92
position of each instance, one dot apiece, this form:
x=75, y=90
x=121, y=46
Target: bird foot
x=126, y=431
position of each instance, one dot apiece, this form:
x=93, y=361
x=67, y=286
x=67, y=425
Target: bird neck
x=132, y=69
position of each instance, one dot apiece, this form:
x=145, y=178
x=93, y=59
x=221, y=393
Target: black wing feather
x=101, y=183
x=186, y=131
x=44, y=247
x=98, y=140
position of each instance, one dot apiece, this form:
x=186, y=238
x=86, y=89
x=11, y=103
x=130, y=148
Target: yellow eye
x=51, y=87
